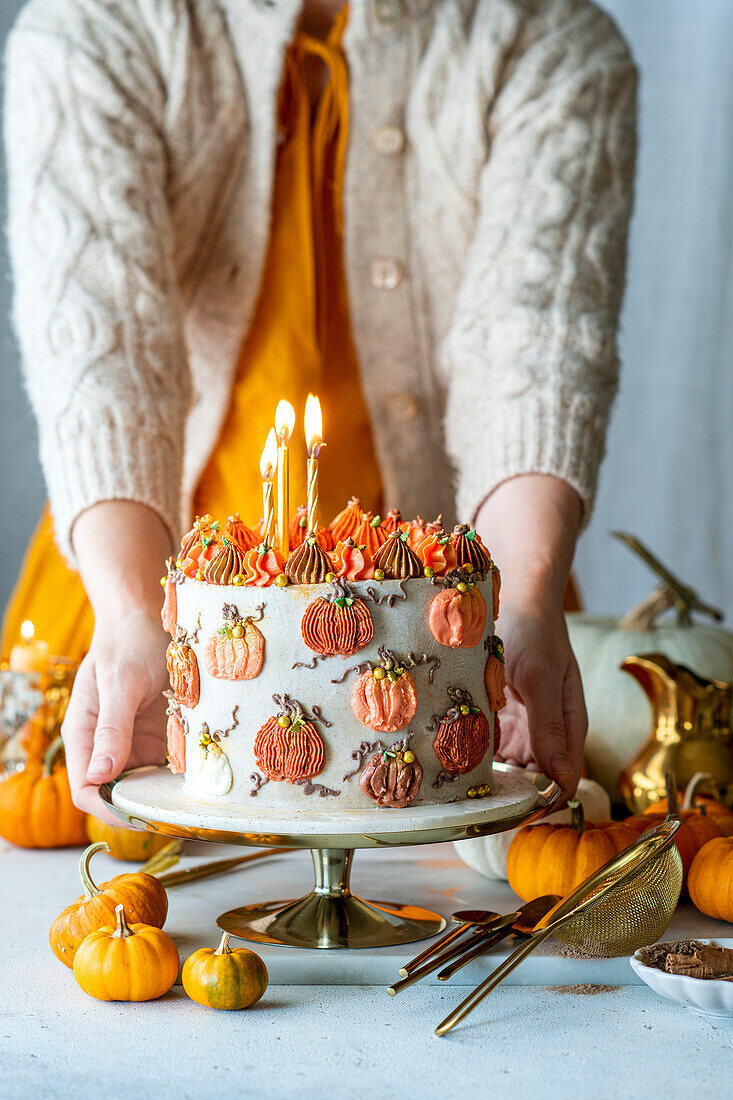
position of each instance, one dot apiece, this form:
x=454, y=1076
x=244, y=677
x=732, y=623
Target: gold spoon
x=466, y=919
x=522, y=923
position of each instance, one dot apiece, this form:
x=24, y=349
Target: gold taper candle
x=268, y=464
x=314, y=439
x=284, y=424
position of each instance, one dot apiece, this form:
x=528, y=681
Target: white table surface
x=325, y=1025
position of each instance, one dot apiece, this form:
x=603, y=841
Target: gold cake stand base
x=330, y=916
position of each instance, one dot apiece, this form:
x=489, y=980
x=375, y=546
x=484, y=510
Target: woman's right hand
x=116, y=715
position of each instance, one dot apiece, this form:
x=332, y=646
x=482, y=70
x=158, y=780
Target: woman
x=208, y=201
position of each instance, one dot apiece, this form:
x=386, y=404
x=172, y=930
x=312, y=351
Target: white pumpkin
x=619, y=714
x=212, y=772
x=487, y=854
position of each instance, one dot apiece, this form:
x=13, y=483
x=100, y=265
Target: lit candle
x=284, y=424
x=268, y=464
x=314, y=439
x=30, y=655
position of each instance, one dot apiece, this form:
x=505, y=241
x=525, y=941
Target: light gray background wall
x=670, y=463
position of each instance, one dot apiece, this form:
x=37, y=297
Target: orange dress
x=299, y=342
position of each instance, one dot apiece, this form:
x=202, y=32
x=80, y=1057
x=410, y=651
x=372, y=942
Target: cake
x=363, y=670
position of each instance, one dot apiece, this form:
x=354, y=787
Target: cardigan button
x=387, y=11
x=386, y=274
x=403, y=406
x=388, y=140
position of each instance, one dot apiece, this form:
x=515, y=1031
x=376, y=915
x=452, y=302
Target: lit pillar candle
x=314, y=439
x=30, y=655
x=284, y=424
x=268, y=464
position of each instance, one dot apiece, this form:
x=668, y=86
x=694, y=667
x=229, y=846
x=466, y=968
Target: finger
x=78, y=728
x=576, y=717
x=113, y=733
x=548, y=734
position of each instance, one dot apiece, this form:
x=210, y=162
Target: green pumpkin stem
x=90, y=890
x=123, y=930
x=224, y=948
x=51, y=753
x=577, y=819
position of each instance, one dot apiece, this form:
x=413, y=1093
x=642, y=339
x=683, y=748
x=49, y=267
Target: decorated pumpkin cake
x=362, y=668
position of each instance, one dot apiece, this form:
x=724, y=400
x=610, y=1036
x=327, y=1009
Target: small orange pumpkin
x=344, y=525
x=183, y=670
x=130, y=845
x=236, y=651
x=175, y=735
x=693, y=800
x=457, y=615
x=495, y=676
x=337, y=623
x=464, y=734
x=288, y=747
x=555, y=859
x=136, y=962
x=385, y=697
x=36, y=810
x=224, y=978
x=710, y=880
x=392, y=777
x=141, y=894
x=696, y=830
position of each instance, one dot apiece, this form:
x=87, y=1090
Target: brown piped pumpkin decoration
x=183, y=670
x=236, y=650
x=227, y=567
x=36, y=810
x=298, y=529
x=395, y=558
x=392, y=521
x=175, y=737
x=142, y=895
x=288, y=747
x=385, y=697
x=123, y=962
x=457, y=615
x=343, y=525
x=470, y=550
x=370, y=533
x=464, y=734
x=393, y=777
x=337, y=623
x=309, y=564
x=237, y=532
x=495, y=676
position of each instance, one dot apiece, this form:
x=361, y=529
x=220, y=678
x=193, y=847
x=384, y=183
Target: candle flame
x=284, y=421
x=313, y=424
x=27, y=631
x=268, y=462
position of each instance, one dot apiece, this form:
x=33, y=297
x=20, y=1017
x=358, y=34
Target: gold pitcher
x=691, y=731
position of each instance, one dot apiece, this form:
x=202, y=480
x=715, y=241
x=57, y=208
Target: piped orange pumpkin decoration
x=124, y=962
x=436, y=551
x=224, y=978
x=36, y=810
x=369, y=533
x=337, y=623
x=351, y=562
x=463, y=734
x=298, y=530
x=343, y=525
x=169, y=611
x=183, y=670
x=457, y=614
x=392, y=521
x=129, y=845
x=237, y=532
x=288, y=747
x=263, y=566
x=199, y=546
x=236, y=651
x=495, y=676
x=385, y=697
x=393, y=777
x=142, y=895
x=555, y=859
x=710, y=880
x=175, y=735
x=415, y=529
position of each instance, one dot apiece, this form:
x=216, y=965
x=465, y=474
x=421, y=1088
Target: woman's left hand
x=544, y=723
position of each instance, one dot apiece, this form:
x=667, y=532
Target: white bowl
x=707, y=996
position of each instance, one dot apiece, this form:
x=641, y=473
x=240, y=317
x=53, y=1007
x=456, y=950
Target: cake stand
x=330, y=916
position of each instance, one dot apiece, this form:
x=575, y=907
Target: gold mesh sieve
x=625, y=905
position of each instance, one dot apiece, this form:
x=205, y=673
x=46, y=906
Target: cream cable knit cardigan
x=487, y=193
